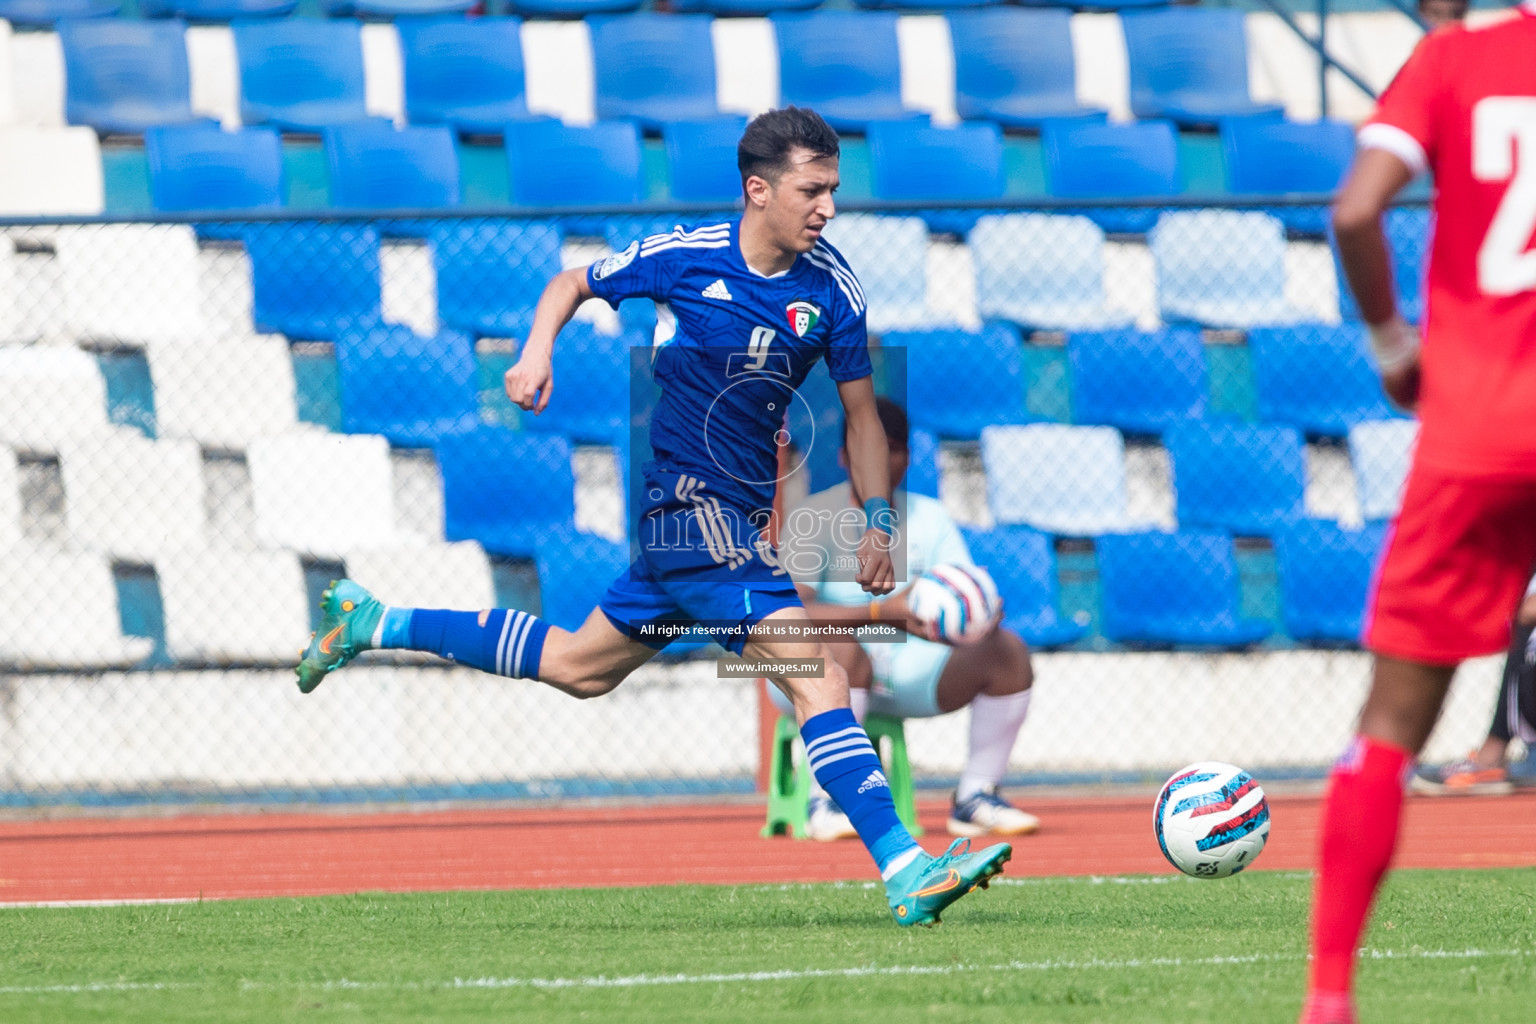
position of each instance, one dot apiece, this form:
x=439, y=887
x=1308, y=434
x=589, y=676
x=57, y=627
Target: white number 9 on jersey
x=1504, y=148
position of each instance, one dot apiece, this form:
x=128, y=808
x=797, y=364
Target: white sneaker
x=827, y=822
x=987, y=813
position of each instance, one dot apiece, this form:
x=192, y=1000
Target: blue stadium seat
x=44, y=13
x=217, y=10
x=490, y=273
x=1042, y=271
x=1141, y=382
x=740, y=8
x=575, y=570
x=1325, y=576
x=313, y=281
x=1173, y=588
x=411, y=389
x=1266, y=156
x=203, y=167
x=375, y=167
x=506, y=489
x=595, y=409
x=701, y=159
x=552, y=164
x=654, y=68
x=1015, y=66
x=571, y=8
x=1221, y=268
x=1319, y=377
x=467, y=73
x=1023, y=563
x=1245, y=478
x=1062, y=479
x=1407, y=232
x=844, y=64
x=404, y=9
x=126, y=76
x=922, y=463
x=1190, y=65
x=916, y=161
x=986, y=373
x=1087, y=159
x=300, y=74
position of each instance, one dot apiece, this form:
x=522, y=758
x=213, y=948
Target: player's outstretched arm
x=869, y=469
x=1376, y=176
x=531, y=380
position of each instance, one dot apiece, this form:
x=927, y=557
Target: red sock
x=1365, y=801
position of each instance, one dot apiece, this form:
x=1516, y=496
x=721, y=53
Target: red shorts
x=1455, y=566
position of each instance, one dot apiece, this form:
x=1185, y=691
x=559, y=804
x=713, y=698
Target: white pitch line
x=749, y=977
x=73, y=904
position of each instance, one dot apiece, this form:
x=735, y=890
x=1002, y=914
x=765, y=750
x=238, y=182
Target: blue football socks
x=846, y=765
x=503, y=641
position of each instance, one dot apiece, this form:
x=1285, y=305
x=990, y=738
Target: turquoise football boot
x=348, y=617
x=919, y=892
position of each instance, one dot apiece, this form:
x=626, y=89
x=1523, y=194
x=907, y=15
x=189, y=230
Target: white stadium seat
x=229, y=606
x=133, y=284
x=1057, y=478
x=322, y=494
x=557, y=70
x=746, y=65
x=49, y=171
x=10, y=291
x=7, y=76
x=132, y=497
x=215, y=73
x=37, y=58
x=10, y=501
x=60, y=611
x=224, y=393
x=383, y=72
x=889, y=255
x=1043, y=270
x=1382, y=451
x=50, y=395
x=426, y=576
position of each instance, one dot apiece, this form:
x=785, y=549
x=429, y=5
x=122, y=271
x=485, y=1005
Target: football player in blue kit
x=745, y=309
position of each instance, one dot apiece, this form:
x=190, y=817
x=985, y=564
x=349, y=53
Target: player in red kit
x=1461, y=550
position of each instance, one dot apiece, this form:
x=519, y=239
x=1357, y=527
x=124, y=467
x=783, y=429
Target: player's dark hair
x=893, y=418
x=766, y=144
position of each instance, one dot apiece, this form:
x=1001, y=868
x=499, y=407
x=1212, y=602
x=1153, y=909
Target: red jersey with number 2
x=1464, y=107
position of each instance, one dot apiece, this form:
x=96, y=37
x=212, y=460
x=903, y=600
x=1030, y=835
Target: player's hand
x=530, y=382
x=894, y=611
x=876, y=573
x=1402, y=385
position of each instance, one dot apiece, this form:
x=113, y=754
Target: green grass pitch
x=1447, y=946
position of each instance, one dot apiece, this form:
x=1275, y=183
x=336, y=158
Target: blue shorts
x=702, y=562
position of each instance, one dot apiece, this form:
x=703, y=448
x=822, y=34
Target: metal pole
x=1322, y=64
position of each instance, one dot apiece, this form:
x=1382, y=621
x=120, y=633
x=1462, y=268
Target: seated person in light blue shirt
x=916, y=678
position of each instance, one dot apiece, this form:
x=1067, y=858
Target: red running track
x=242, y=855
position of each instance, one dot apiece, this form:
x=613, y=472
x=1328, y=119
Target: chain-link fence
x=1160, y=427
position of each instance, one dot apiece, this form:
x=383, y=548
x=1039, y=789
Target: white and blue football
x=954, y=604
x=1211, y=819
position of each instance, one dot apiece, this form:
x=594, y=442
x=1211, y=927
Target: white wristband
x=1394, y=343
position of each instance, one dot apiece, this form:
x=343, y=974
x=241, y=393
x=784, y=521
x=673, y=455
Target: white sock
x=995, y=724
x=858, y=701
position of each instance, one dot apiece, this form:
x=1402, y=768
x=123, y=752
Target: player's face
x=1442, y=12
x=800, y=203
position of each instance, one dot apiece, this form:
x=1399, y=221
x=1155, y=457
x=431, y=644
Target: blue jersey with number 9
x=732, y=346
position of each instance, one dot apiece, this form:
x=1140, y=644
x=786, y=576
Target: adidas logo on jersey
x=875, y=781
x=718, y=290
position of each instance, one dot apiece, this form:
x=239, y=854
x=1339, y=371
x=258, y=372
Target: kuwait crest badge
x=802, y=317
